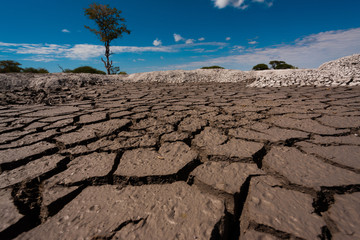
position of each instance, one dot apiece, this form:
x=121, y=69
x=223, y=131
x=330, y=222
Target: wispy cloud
x=306, y=52
x=269, y=3
x=241, y=4
x=228, y=39
x=40, y=59
x=201, y=39
x=65, y=31
x=139, y=60
x=51, y=52
x=238, y=48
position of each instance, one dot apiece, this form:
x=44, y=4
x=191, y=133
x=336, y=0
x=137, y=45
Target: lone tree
x=109, y=27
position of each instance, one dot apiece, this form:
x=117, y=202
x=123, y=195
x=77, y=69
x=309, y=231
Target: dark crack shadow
x=272, y=231
x=121, y=226
x=56, y=206
x=325, y=197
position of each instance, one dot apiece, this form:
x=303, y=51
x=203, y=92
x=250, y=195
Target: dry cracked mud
x=181, y=161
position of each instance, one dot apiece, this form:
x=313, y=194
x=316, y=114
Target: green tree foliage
x=8, y=66
x=35, y=70
x=83, y=69
x=280, y=65
x=212, y=67
x=110, y=26
x=261, y=66
x=87, y=69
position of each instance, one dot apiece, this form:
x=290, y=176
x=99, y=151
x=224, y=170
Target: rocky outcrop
x=342, y=72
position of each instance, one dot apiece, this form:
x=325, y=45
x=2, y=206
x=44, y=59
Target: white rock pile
x=341, y=72
x=198, y=75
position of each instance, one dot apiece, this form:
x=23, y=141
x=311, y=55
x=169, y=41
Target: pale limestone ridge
x=341, y=72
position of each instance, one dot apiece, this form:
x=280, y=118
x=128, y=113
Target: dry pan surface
x=181, y=161
x=201, y=154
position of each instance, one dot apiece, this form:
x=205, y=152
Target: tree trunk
x=107, y=63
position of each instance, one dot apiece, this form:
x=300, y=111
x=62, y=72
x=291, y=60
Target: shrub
x=213, y=67
x=8, y=66
x=34, y=70
x=85, y=69
x=122, y=73
x=261, y=66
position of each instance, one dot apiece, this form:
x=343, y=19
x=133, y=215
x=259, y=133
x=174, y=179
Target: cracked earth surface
x=182, y=161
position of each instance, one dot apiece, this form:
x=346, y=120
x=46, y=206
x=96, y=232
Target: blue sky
x=186, y=34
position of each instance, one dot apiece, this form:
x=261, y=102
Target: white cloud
x=77, y=51
x=84, y=51
x=228, y=39
x=37, y=49
x=178, y=37
x=252, y=42
x=235, y=3
x=65, y=31
x=157, y=42
x=45, y=52
x=189, y=41
x=307, y=52
x=224, y=3
x=241, y=4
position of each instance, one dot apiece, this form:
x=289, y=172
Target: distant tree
x=212, y=67
x=8, y=66
x=280, y=65
x=275, y=63
x=87, y=69
x=261, y=66
x=109, y=27
x=285, y=66
x=34, y=70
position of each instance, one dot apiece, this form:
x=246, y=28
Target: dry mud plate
x=182, y=161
